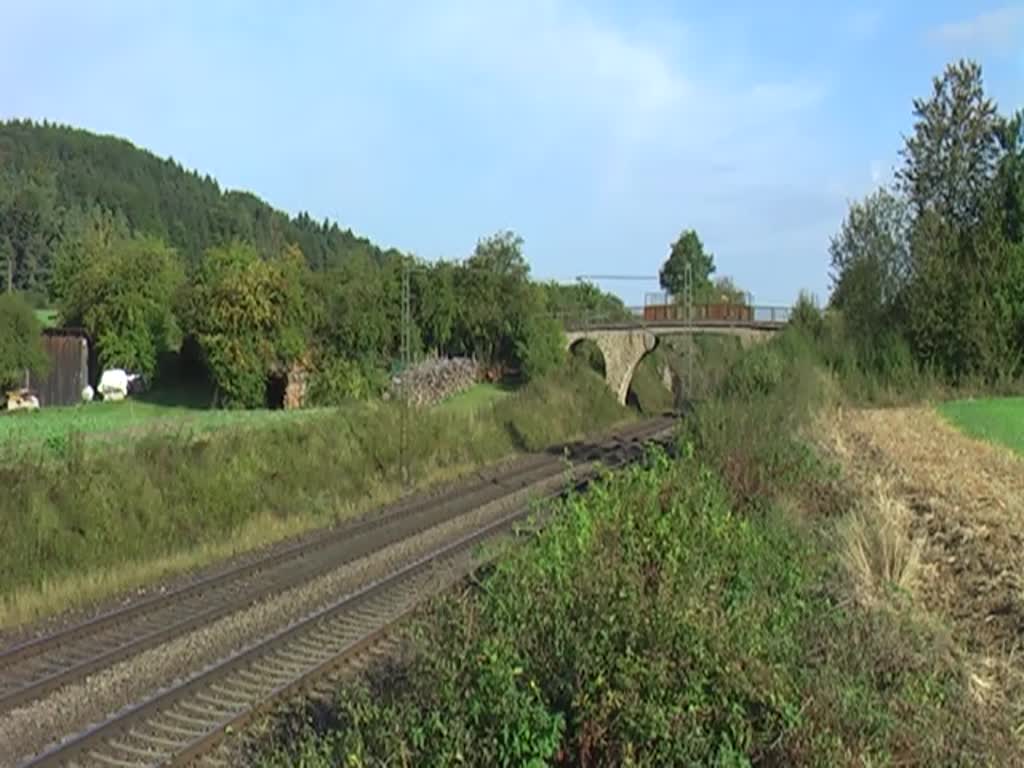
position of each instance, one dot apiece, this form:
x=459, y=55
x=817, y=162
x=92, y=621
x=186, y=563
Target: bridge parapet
x=700, y=316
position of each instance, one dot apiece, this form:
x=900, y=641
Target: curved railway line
x=187, y=720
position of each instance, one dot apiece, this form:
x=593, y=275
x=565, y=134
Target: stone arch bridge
x=624, y=345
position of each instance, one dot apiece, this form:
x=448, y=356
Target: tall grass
x=878, y=549
x=100, y=520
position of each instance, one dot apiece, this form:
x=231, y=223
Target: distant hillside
x=51, y=172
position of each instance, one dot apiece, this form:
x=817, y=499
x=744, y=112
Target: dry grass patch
x=880, y=553
x=942, y=518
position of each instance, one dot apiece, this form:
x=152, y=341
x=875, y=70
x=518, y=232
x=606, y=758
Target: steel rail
x=179, y=725
x=31, y=670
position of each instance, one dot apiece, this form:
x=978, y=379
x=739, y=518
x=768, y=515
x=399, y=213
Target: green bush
x=758, y=372
x=21, y=346
x=540, y=347
x=806, y=315
x=336, y=380
x=576, y=394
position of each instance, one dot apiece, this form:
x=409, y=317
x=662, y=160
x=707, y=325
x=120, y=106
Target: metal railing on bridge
x=698, y=315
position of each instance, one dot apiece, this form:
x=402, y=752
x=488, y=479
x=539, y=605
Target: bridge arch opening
x=653, y=385
x=588, y=353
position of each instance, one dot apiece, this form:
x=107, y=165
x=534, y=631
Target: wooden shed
x=69, y=352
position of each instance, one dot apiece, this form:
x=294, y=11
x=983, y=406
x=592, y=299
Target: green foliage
x=336, y=380
x=725, y=291
x=360, y=310
x=942, y=267
x=953, y=152
x=577, y=395
x=122, y=289
x=652, y=624
x=688, y=250
x=580, y=302
x=21, y=347
x=249, y=317
x=437, y=304
x=540, y=346
x=500, y=254
x=806, y=315
x=29, y=225
x=756, y=373
x=497, y=304
x=871, y=263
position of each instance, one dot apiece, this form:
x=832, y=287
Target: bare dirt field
x=966, y=504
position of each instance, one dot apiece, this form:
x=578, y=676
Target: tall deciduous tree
x=1009, y=187
x=871, y=262
x=249, y=317
x=726, y=290
x=688, y=250
x=124, y=292
x=950, y=158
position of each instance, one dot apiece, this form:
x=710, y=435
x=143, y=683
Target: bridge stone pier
x=624, y=345
x=622, y=350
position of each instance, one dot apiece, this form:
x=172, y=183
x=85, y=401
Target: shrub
x=757, y=373
x=806, y=315
x=21, y=345
x=335, y=380
x=540, y=347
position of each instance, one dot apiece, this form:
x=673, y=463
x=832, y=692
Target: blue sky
x=597, y=130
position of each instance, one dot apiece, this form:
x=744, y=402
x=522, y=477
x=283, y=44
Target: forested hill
x=51, y=175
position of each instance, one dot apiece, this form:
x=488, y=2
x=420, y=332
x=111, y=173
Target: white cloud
x=992, y=30
x=662, y=139
x=574, y=68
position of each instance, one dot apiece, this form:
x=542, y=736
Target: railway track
x=31, y=670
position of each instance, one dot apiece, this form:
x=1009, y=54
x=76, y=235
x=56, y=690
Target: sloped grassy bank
x=95, y=521
x=703, y=610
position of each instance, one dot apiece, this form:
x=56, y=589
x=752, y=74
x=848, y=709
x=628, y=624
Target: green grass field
x=47, y=317
x=131, y=417
x=475, y=398
x=999, y=420
x=136, y=417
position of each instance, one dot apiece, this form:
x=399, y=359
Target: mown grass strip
x=998, y=420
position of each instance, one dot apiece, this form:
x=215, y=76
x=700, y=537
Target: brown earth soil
x=967, y=503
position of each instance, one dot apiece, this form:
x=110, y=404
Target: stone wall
x=434, y=380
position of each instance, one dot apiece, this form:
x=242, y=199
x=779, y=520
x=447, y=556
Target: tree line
x=240, y=318
x=931, y=267
x=168, y=272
